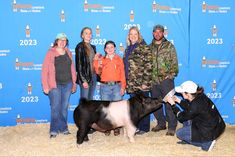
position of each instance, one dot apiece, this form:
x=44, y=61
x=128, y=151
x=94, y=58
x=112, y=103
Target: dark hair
x=55, y=43
x=160, y=27
x=109, y=42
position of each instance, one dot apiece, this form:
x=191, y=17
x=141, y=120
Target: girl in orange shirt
x=111, y=70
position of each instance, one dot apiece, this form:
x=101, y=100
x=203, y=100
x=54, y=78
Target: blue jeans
x=88, y=93
x=59, y=101
x=185, y=134
x=110, y=92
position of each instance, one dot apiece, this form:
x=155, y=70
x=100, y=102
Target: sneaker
x=210, y=146
x=170, y=133
x=52, y=136
x=67, y=133
x=140, y=132
x=182, y=142
x=158, y=128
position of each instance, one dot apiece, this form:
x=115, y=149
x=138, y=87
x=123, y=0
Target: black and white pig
x=106, y=115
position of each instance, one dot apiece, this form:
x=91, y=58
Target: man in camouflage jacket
x=165, y=68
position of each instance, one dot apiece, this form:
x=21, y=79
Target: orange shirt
x=112, y=70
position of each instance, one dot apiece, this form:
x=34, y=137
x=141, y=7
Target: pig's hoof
x=78, y=145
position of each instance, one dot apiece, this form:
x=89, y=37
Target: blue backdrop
x=202, y=32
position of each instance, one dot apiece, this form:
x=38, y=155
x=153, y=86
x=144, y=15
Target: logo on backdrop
x=26, y=65
x=28, y=41
x=166, y=31
x=166, y=34
x=214, y=31
x=97, y=8
x=214, y=8
x=97, y=93
x=29, y=88
x=164, y=9
x=213, y=86
x=127, y=26
x=214, y=40
x=29, y=98
x=214, y=94
x=62, y=16
x=121, y=49
x=26, y=8
x=27, y=31
x=97, y=31
x=211, y=63
x=154, y=6
x=20, y=120
x=132, y=16
x=98, y=40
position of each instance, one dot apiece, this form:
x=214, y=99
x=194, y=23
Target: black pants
x=144, y=124
x=160, y=91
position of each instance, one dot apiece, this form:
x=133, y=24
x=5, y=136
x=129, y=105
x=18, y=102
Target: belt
x=110, y=83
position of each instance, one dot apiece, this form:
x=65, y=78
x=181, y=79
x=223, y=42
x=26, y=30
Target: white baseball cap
x=187, y=86
x=61, y=36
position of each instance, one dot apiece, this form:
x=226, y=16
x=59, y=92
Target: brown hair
x=109, y=42
x=87, y=50
x=56, y=40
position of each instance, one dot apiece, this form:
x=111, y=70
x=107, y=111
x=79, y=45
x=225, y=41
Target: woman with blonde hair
x=138, y=70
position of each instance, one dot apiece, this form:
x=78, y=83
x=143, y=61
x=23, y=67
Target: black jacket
x=207, y=123
x=83, y=65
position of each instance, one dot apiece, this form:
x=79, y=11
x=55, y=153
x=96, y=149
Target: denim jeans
x=185, y=134
x=110, y=92
x=59, y=101
x=88, y=93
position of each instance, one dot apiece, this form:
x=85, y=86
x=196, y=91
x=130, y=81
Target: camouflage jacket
x=165, y=63
x=139, y=69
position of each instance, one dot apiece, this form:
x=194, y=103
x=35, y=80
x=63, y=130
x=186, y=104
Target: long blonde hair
x=140, y=38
